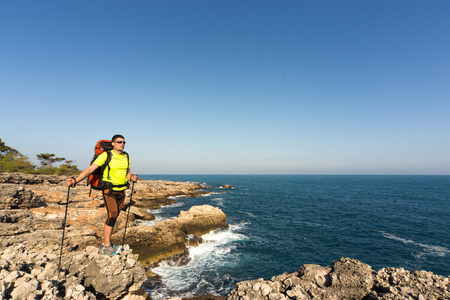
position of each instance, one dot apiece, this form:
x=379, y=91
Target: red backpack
x=95, y=179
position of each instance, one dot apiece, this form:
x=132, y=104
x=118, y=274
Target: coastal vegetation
x=11, y=160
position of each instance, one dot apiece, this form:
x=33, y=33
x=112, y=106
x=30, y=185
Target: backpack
x=95, y=179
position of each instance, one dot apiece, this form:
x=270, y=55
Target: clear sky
x=231, y=87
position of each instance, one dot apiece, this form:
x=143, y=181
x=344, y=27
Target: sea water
x=280, y=222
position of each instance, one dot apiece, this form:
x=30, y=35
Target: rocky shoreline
x=346, y=279
x=32, y=210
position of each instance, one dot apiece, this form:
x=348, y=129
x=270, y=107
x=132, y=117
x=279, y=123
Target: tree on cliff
x=68, y=169
x=47, y=161
x=12, y=160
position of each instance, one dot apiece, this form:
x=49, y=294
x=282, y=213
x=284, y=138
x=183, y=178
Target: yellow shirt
x=117, y=167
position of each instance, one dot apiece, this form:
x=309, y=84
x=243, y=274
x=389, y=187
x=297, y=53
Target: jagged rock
x=398, y=283
x=347, y=279
x=14, y=197
x=28, y=274
x=14, y=215
x=111, y=276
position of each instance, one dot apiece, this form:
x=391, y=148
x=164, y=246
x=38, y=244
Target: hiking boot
x=109, y=249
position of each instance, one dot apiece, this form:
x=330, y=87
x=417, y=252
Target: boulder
x=171, y=237
x=199, y=220
x=141, y=214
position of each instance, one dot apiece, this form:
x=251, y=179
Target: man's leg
x=114, y=202
x=107, y=231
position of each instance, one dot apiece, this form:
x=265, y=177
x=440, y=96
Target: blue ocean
x=280, y=222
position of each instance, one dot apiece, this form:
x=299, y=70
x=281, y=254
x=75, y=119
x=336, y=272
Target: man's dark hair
x=117, y=136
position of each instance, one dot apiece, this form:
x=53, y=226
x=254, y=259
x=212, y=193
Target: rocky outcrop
x=347, y=279
x=171, y=237
x=22, y=178
x=398, y=283
x=30, y=274
x=153, y=194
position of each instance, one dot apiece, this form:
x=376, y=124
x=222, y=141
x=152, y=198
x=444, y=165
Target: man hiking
x=115, y=176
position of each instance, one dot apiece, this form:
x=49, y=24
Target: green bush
x=16, y=163
x=12, y=160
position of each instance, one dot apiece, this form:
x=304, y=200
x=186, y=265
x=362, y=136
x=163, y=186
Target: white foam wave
x=150, y=223
x=157, y=213
x=178, y=204
x=200, y=273
x=209, y=194
x=176, y=197
x=218, y=201
x=247, y=213
x=430, y=249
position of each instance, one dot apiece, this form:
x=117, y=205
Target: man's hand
x=71, y=182
x=134, y=178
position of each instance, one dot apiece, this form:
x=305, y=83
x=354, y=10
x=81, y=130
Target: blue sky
x=231, y=87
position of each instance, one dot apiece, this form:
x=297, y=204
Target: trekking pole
x=131, y=199
x=64, y=228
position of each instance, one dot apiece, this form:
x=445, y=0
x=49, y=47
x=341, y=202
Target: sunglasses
x=120, y=142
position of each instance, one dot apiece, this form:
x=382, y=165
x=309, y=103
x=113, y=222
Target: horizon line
x=287, y=174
